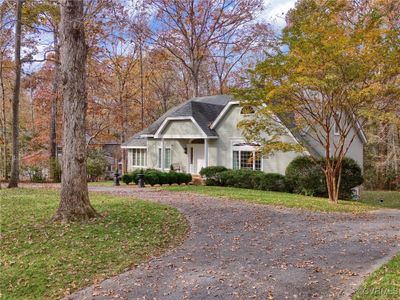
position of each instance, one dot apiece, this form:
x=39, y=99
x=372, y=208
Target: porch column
x=162, y=154
x=206, y=153
x=188, y=152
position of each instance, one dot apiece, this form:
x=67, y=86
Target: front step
x=197, y=180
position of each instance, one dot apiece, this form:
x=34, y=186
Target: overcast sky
x=275, y=11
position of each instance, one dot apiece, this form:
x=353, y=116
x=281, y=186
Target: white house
x=203, y=132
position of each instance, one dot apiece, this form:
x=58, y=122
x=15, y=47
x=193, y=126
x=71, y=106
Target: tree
x=15, y=102
x=6, y=67
x=188, y=29
x=74, y=203
x=334, y=64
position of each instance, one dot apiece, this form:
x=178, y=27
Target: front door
x=196, y=158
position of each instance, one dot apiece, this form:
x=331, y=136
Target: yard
x=41, y=259
x=369, y=201
x=384, y=283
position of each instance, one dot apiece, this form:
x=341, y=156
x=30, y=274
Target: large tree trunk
x=4, y=124
x=15, y=104
x=53, y=110
x=74, y=204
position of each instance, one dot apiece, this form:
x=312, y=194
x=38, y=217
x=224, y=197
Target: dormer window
x=247, y=110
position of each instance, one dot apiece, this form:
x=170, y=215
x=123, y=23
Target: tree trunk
x=74, y=203
x=15, y=103
x=53, y=110
x=141, y=86
x=332, y=183
x=4, y=124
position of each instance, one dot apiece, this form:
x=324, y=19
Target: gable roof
x=203, y=111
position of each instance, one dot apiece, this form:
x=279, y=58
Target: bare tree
x=74, y=202
x=15, y=103
x=189, y=28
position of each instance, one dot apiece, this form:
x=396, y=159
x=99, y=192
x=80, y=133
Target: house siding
x=182, y=128
x=228, y=133
x=356, y=149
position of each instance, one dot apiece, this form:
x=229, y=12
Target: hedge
x=211, y=174
x=305, y=176
x=153, y=177
x=248, y=179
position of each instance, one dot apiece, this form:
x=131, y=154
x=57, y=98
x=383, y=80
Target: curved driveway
x=238, y=250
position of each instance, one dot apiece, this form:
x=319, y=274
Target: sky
x=274, y=13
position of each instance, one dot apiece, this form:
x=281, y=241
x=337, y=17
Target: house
x=203, y=132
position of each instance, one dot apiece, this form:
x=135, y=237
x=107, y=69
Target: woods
x=145, y=57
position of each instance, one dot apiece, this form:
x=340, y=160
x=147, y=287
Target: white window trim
x=246, y=148
x=145, y=157
x=159, y=134
x=159, y=159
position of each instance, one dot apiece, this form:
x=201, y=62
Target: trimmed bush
x=246, y=179
x=188, y=178
x=271, y=182
x=152, y=177
x=211, y=175
x=163, y=178
x=351, y=177
x=172, y=177
x=127, y=178
x=304, y=176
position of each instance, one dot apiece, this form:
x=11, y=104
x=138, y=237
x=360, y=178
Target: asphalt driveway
x=239, y=250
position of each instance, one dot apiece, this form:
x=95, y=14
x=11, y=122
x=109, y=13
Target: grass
x=277, y=199
x=102, y=183
x=44, y=260
x=384, y=283
x=391, y=199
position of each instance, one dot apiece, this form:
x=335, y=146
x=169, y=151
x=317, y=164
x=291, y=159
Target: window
x=139, y=157
x=246, y=160
x=167, y=158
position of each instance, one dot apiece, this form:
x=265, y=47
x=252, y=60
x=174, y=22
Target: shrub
x=172, y=177
x=152, y=176
x=271, y=182
x=135, y=174
x=188, y=178
x=304, y=176
x=96, y=164
x=246, y=179
x=180, y=178
x=55, y=169
x=36, y=174
x=351, y=177
x=163, y=178
x=127, y=178
x=212, y=174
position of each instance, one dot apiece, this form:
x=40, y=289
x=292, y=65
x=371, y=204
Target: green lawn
x=384, y=283
x=284, y=199
x=391, y=199
x=102, y=183
x=44, y=260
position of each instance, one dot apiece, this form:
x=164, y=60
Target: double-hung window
x=167, y=158
x=139, y=157
x=245, y=156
